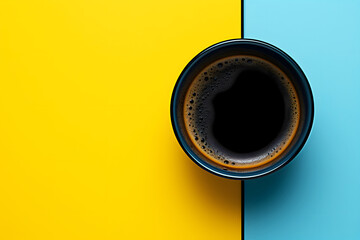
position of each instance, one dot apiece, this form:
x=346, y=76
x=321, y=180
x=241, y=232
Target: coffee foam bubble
x=197, y=116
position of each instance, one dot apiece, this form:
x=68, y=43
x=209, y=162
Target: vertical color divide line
x=242, y=211
x=242, y=182
x=242, y=18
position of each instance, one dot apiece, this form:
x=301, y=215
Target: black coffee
x=241, y=111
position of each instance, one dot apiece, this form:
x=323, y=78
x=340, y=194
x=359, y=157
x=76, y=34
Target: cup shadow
x=217, y=191
x=261, y=194
x=270, y=191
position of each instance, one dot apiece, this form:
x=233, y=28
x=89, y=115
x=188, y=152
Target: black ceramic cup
x=206, y=155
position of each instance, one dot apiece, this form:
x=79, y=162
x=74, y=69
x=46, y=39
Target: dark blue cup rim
x=258, y=173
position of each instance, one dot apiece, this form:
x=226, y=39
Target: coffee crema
x=241, y=112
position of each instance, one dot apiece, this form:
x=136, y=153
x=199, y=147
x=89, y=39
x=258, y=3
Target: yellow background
x=86, y=145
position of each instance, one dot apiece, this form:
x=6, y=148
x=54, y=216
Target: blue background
x=316, y=196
